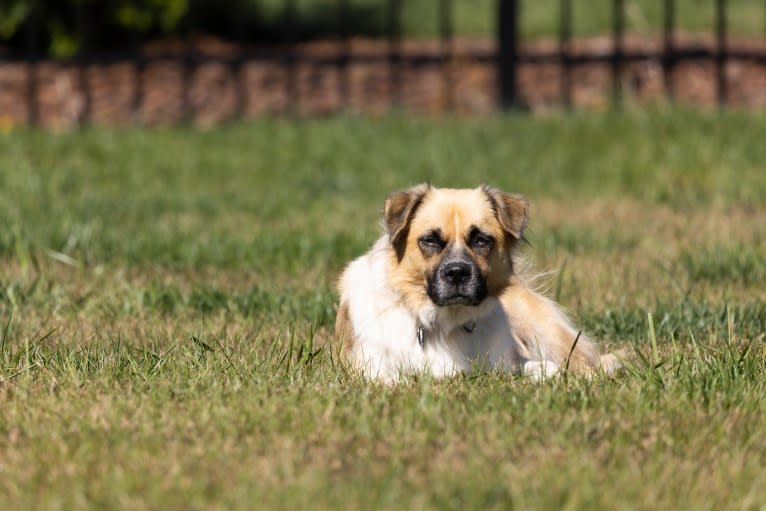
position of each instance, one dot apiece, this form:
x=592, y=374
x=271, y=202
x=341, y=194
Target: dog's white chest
x=390, y=340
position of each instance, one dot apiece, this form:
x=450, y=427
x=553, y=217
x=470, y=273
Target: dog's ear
x=511, y=209
x=398, y=212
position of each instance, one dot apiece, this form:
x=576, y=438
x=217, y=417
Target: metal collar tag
x=421, y=336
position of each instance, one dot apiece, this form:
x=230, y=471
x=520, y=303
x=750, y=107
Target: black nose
x=456, y=272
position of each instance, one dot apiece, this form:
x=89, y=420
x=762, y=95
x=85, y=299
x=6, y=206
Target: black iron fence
x=669, y=55
x=505, y=55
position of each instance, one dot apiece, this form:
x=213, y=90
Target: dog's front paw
x=610, y=363
x=539, y=370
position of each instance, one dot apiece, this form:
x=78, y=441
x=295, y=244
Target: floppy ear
x=398, y=212
x=511, y=209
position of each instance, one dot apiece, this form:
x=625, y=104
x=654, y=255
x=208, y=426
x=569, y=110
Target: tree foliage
x=61, y=27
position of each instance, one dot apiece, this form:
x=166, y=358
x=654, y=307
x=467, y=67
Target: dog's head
x=453, y=247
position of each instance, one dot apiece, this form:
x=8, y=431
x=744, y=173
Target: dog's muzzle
x=457, y=280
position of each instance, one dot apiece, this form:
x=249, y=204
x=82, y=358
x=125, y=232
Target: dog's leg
x=544, y=333
x=539, y=370
x=344, y=331
x=610, y=363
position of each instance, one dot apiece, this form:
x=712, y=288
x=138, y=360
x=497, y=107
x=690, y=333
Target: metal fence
x=507, y=55
x=670, y=56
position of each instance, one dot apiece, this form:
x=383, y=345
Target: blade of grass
x=6, y=330
x=571, y=350
x=228, y=359
x=653, y=339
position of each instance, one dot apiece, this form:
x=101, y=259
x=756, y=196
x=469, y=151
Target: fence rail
x=507, y=56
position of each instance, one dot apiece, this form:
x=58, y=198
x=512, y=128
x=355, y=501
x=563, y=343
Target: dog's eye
x=431, y=241
x=479, y=240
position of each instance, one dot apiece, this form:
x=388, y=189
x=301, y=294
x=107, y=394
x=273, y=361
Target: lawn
x=538, y=17
x=167, y=299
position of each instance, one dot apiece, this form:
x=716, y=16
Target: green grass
x=539, y=18
x=166, y=307
x=744, y=17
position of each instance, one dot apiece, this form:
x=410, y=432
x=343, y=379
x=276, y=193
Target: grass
x=539, y=18
x=166, y=305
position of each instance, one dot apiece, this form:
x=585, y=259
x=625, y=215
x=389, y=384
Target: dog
x=439, y=292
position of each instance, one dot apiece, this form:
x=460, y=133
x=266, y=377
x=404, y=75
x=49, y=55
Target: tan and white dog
x=438, y=292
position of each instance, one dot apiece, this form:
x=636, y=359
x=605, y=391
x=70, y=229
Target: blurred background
x=70, y=62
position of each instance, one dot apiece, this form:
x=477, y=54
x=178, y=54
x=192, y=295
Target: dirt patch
x=363, y=75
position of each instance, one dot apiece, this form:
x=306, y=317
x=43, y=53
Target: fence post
x=565, y=35
x=83, y=61
x=395, y=51
x=290, y=13
x=344, y=78
x=139, y=66
x=720, y=20
x=618, y=30
x=189, y=62
x=669, y=56
x=32, y=50
x=508, y=56
x=242, y=14
x=445, y=31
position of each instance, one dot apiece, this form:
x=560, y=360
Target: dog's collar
x=421, y=331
